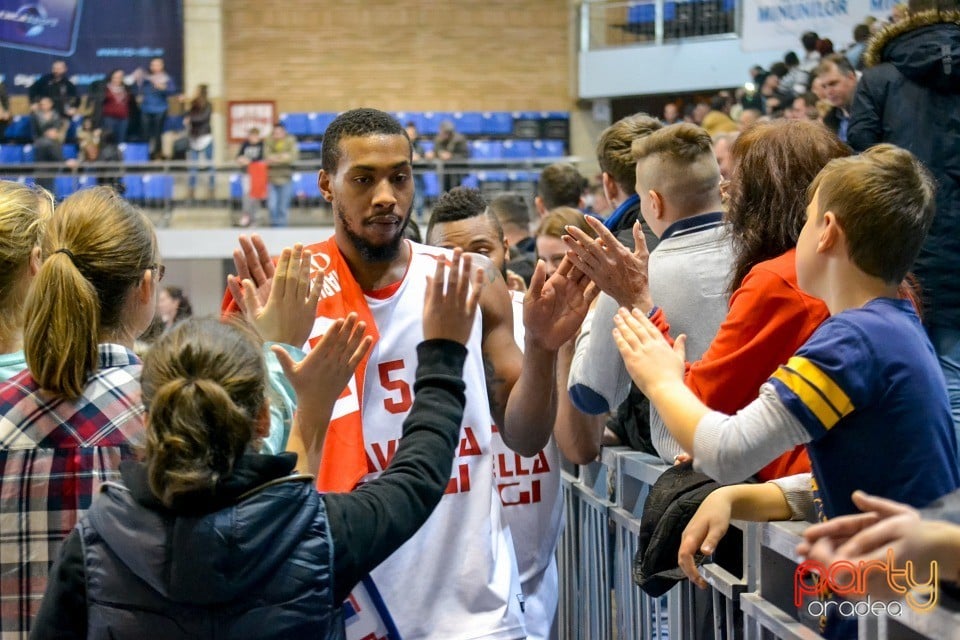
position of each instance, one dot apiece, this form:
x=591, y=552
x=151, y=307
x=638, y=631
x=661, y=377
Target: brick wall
x=443, y=55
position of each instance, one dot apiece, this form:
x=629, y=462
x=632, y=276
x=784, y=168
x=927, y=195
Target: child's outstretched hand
x=290, y=310
x=326, y=370
x=647, y=355
x=448, y=311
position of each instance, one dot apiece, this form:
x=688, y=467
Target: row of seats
x=19, y=128
x=645, y=12
x=147, y=188
x=139, y=152
x=305, y=184
x=133, y=152
x=520, y=124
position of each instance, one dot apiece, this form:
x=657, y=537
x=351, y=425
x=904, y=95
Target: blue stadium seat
x=19, y=129
x=320, y=121
x=70, y=152
x=517, y=148
x=157, y=188
x=521, y=177
x=548, y=149
x=432, y=120
x=403, y=117
x=642, y=13
x=133, y=187
x=470, y=181
x=486, y=149
x=64, y=186
x=496, y=123
x=305, y=186
x=86, y=181
x=309, y=148
x=426, y=145
x=469, y=123
x=134, y=152
x=431, y=184
x=296, y=124
x=11, y=154
x=28, y=153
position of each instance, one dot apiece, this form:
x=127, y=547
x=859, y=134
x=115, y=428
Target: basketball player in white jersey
x=456, y=578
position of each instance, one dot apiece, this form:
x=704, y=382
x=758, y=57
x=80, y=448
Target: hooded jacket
x=910, y=96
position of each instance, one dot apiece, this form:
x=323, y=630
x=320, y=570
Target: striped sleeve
x=831, y=375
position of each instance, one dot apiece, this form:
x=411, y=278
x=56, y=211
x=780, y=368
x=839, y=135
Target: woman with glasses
x=23, y=210
x=68, y=421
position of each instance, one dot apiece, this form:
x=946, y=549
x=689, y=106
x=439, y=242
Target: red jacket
x=769, y=319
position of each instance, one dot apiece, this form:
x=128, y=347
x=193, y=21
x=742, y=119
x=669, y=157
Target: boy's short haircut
x=614, y=148
x=253, y=130
x=561, y=185
x=678, y=162
x=511, y=209
x=883, y=200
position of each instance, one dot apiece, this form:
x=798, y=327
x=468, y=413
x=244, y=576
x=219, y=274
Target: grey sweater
x=688, y=275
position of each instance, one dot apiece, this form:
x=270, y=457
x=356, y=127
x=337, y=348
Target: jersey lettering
x=511, y=494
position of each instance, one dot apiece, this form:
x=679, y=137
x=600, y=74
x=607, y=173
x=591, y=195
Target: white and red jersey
x=457, y=576
x=529, y=490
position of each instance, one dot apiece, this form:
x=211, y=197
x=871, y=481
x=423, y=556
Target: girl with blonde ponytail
x=68, y=421
x=208, y=534
x=23, y=210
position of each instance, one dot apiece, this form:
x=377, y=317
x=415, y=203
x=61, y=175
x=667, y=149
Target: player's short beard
x=369, y=252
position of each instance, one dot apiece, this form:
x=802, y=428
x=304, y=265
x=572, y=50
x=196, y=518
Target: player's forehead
x=376, y=151
x=461, y=233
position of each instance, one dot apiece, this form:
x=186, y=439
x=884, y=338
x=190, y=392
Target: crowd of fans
x=767, y=304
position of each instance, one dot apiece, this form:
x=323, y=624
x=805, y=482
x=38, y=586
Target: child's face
x=808, y=262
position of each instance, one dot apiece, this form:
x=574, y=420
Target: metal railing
x=598, y=599
x=605, y=24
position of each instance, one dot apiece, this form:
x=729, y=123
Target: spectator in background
x=45, y=116
x=861, y=34
x=49, y=149
x=671, y=113
x=418, y=156
x=173, y=306
x=595, y=202
x=811, y=56
x=839, y=84
x=749, y=117
x=513, y=213
x=825, y=47
x=56, y=86
x=722, y=149
x=197, y=122
x=88, y=140
x=449, y=145
x=909, y=95
x=281, y=152
x=796, y=79
x=153, y=91
x=251, y=156
x=560, y=185
x=5, y=115
x=804, y=107
x=117, y=101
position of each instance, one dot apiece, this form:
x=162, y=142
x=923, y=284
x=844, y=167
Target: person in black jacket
x=910, y=96
x=206, y=536
x=56, y=86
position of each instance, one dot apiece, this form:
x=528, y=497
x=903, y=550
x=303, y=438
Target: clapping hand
x=290, y=310
x=253, y=262
x=449, y=311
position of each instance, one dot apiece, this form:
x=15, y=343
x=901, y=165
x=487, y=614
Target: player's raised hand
x=451, y=301
x=253, y=262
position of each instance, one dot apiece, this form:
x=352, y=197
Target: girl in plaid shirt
x=67, y=422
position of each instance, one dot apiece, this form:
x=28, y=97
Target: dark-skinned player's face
x=372, y=193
